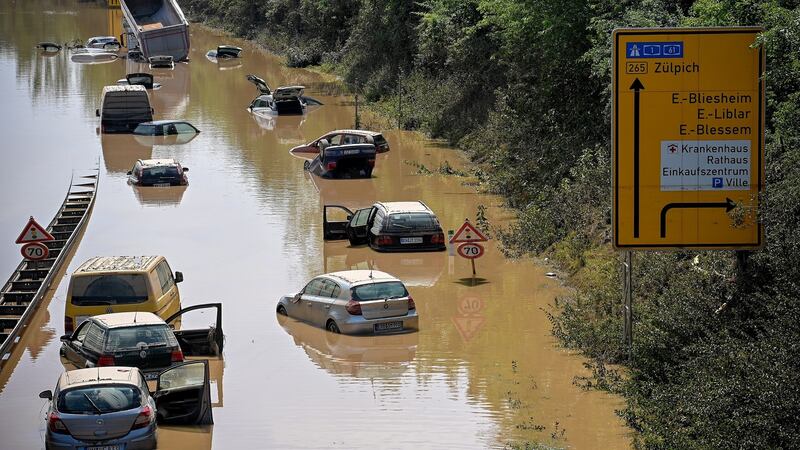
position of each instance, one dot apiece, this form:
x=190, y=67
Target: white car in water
x=354, y=302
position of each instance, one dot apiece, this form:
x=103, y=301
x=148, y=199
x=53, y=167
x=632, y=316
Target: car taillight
x=56, y=425
x=384, y=240
x=353, y=307
x=144, y=418
x=331, y=166
x=371, y=162
x=437, y=238
x=105, y=360
x=69, y=325
x=411, y=304
x=177, y=355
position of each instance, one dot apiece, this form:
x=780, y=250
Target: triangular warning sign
x=468, y=233
x=33, y=232
x=468, y=325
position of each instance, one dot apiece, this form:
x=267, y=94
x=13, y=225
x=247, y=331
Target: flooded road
x=482, y=372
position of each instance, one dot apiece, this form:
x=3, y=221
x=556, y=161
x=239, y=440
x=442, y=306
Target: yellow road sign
x=688, y=138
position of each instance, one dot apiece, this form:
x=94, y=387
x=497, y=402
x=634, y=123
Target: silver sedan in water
x=354, y=302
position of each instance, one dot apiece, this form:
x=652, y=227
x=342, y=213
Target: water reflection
x=286, y=129
x=159, y=196
x=358, y=356
x=414, y=269
x=121, y=151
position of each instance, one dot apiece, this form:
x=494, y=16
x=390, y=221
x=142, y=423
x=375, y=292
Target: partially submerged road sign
x=688, y=138
x=468, y=233
x=33, y=232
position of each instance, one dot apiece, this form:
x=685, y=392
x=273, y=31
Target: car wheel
x=332, y=327
x=282, y=310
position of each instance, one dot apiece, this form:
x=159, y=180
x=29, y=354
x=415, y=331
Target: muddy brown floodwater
x=482, y=372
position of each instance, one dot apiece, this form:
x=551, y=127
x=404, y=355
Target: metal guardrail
x=24, y=290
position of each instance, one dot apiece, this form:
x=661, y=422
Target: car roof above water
x=99, y=375
x=128, y=319
x=124, y=88
x=116, y=264
x=158, y=162
x=356, y=277
x=162, y=122
x=405, y=207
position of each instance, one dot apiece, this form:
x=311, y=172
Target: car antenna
x=134, y=316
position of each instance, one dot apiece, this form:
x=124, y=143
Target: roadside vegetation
x=523, y=87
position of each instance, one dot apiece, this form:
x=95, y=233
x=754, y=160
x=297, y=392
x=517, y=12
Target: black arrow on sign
x=728, y=204
x=636, y=87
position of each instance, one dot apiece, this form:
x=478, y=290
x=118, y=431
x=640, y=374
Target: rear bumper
x=409, y=248
x=360, y=325
x=144, y=439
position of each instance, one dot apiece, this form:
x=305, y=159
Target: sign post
x=688, y=142
x=688, y=138
x=469, y=237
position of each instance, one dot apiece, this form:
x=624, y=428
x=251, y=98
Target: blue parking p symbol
x=716, y=182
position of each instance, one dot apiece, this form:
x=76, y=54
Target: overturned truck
x=156, y=28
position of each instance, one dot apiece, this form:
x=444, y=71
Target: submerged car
x=104, y=42
x=343, y=161
x=283, y=100
x=165, y=128
x=353, y=302
x=113, y=408
x=49, y=47
x=224, y=52
x=161, y=62
x=140, y=339
x=387, y=226
x=345, y=137
x=141, y=79
x=158, y=173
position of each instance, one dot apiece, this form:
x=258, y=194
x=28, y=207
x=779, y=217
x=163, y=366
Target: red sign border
x=34, y=244
x=33, y=223
x=483, y=250
x=456, y=240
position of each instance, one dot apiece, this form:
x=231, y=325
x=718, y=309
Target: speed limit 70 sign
x=35, y=251
x=470, y=250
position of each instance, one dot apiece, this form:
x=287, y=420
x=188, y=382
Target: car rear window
x=131, y=338
x=374, y=291
x=99, y=399
x=117, y=289
x=160, y=172
x=411, y=222
x=379, y=139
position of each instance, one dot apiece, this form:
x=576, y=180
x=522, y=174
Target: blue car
x=343, y=161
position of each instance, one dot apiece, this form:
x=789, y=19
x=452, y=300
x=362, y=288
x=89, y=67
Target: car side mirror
x=185, y=169
x=130, y=172
x=349, y=217
x=47, y=395
x=178, y=277
x=97, y=112
x=152, y=111
x=297, y=296
x=66, y=338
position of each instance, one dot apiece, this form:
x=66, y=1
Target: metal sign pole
x=628, y=307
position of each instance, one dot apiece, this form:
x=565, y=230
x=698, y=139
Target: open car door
x=183, y=395
x=358, y=226
x=200, y=342
x=261, y=85
x=333, y=229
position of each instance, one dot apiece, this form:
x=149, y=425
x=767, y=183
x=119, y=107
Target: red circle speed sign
x=35, y=251
x=470, y=250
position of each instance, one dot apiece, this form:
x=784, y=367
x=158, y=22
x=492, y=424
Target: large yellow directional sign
x=688, y=138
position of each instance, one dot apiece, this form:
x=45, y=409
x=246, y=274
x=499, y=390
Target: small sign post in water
x=32, y=236
x=469, y=236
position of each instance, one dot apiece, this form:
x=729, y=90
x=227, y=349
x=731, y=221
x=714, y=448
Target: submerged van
x=110, y=284
x=122, y=108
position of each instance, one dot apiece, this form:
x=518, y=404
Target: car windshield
x=147, y=130
x=374, y=291
x=99, y=399
x=160, y=172
x=149, y=336
x=412, y=221
x=114, y=289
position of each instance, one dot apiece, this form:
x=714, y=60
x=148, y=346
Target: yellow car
x=111, y=284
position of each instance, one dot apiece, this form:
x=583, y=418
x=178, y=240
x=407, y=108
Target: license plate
x=151, y=376
x=411, y=240
x=105, y=447
x=389, y=326
x=161, y=185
